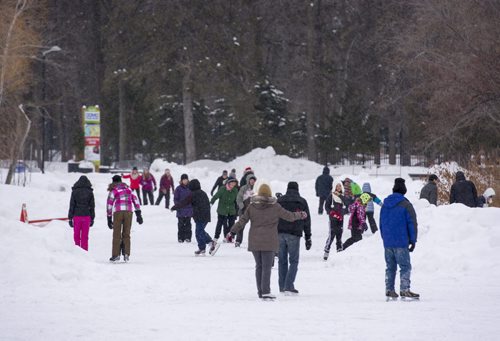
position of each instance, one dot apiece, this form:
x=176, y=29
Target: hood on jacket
x=261, y=202
x=251, y=176
x=366, y=187
x=489, y=192
x=460, y=176
x=326, y=170
x=194, y=185
x=393, y=200
x=335, y=186
x=83, y=182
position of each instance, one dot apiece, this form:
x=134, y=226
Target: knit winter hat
x=117, y=178
x=231, y=179
x=248, y=169
x=184, y=176
x=224, y=172
x=265, y=191
x=293, y=185
x=433, y=177
x=399, y=186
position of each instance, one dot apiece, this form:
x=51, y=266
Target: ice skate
x=407, y=295
x=391, y=295
x=199, y=253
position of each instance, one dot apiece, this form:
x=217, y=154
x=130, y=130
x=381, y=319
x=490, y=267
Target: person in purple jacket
x=184, y=214
x=148, y=184
x=166, y=183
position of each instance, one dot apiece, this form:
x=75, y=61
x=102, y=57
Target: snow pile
x=53, y=290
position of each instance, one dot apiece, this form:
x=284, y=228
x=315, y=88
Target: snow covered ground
x=52, y=290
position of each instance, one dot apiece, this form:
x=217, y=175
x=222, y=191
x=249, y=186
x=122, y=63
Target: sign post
x=92, y=133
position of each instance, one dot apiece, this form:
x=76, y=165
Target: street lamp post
x=54, y=48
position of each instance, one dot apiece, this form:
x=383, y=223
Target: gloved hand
x=154, y=189
x=412, y=247
x=278, y=195
x=91, y=221
x=174, y=208
x=365, y=227
x=308, y=244
x=303, y=215
x=139, y=217
x=110, y=222
x=229, y=237
x=70, y=222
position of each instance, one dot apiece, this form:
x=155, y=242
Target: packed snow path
x=52, y=290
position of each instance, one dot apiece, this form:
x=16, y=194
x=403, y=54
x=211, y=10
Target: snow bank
x=53, y=290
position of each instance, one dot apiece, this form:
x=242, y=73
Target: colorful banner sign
x=92, y=133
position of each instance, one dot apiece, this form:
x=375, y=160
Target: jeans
x=146, y=195
x=263, y=264
x=224, y=220
x=81, y=231
x=288, y=254
x=167, y=199
x=335, y=233
x=371, y=220
x=393, y=258
x=202, y=237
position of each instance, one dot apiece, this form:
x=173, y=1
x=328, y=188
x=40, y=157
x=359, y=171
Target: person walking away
x=486, y=199
x=81, y=211
x=166, y=184
x=399, y=229
x=357, y=219
x=289, y=234
x=226, y=209
x=463, y=191
x=135, y=182
x=184, y=214
x=148, y=183
x=243, y=200
x=219, y=182
x=430, y=190
x=323, y=187
x=201, y=216
x=334, y=207
x=370, y=207
x=264, y=213
x=120, y=204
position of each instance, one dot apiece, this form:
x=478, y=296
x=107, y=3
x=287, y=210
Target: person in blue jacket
x=398, y=228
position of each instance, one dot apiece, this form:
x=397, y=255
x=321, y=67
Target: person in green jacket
x=226, y=210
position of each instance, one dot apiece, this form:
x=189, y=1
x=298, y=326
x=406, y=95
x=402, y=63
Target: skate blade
x=391, y=299
x=217, y=246
x=410, y=299
x=267, y=299
x=289, y=293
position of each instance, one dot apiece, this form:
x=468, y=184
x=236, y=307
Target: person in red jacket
x=166, y=184
x=135, y=182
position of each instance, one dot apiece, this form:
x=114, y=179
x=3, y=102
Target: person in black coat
x=201, y=215
x=430, y=191
x=81, y=212
x=219, y=182
x=323, y=187
x=463, y=191
x=289, y=234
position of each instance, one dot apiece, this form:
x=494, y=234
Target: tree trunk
x=392, y=142
x=187, y=101
x=311, y=100
x=23, y=125
x=122, y=120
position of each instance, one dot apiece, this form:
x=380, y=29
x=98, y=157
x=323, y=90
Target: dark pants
x=288, y=260
x=202, y=237
x=335, y=233
x=372, y=222
x=167, y=199
x=138, y=193
x=122, y=223
x=321, y=204
x=184, y=231
x=356, y=236
x=146, y=195
x=263, y=264
x=224, y=220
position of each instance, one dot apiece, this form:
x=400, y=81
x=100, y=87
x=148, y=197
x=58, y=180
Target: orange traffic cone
x=24, y=214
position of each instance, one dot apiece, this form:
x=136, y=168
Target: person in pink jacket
x=148, y=184
x=135, y=182
x=166, y=185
